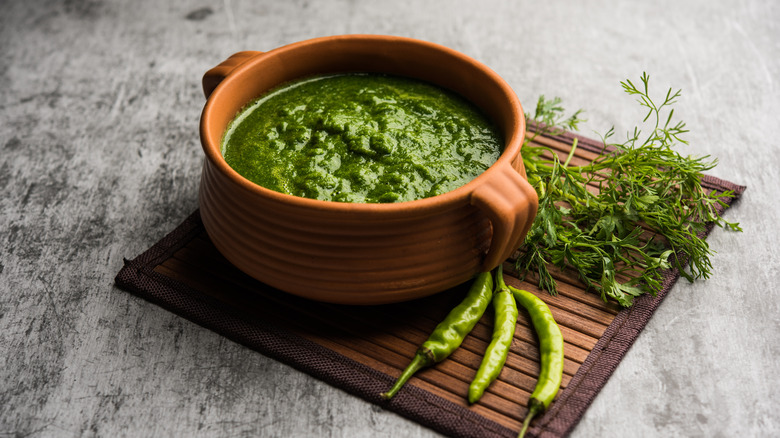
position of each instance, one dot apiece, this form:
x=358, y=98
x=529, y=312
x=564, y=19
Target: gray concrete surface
x=99, y=106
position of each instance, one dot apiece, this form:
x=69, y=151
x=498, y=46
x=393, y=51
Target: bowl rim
x=212, y=149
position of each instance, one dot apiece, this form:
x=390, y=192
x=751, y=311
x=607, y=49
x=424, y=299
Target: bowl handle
x=510, y=203
x=213, y=77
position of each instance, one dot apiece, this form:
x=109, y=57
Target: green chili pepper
x=448, y=335
x=496, y=353
x=551, y=352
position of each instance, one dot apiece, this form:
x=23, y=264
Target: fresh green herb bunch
x=645, y=215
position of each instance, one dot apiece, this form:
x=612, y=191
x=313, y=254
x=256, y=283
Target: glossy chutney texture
x=366, y=138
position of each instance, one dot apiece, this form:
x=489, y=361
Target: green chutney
x=366, y=138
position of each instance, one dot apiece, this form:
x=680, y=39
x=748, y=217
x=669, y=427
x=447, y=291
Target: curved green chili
x=496, y=353
x=448, y=335
x=551, y=352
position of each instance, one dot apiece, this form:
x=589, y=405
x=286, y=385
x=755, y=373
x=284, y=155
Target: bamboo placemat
x=362, y=349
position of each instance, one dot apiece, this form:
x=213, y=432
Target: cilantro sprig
x=619, y=221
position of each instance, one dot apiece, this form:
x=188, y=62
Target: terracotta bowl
x=363, y=253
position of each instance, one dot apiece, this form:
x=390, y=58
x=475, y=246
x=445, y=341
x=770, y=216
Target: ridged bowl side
x=363, y=259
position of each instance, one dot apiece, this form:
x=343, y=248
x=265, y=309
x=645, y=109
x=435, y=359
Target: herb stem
x=571, y=153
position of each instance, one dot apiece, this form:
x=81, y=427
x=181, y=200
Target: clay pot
x=363, y=253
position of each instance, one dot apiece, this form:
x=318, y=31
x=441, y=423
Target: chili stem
x=532, y=411
x=420, y=360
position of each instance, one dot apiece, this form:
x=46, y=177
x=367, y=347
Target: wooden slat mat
x=363, y=349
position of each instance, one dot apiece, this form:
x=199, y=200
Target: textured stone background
x=99, y=109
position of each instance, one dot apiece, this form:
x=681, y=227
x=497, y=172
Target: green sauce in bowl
x=365, y=138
